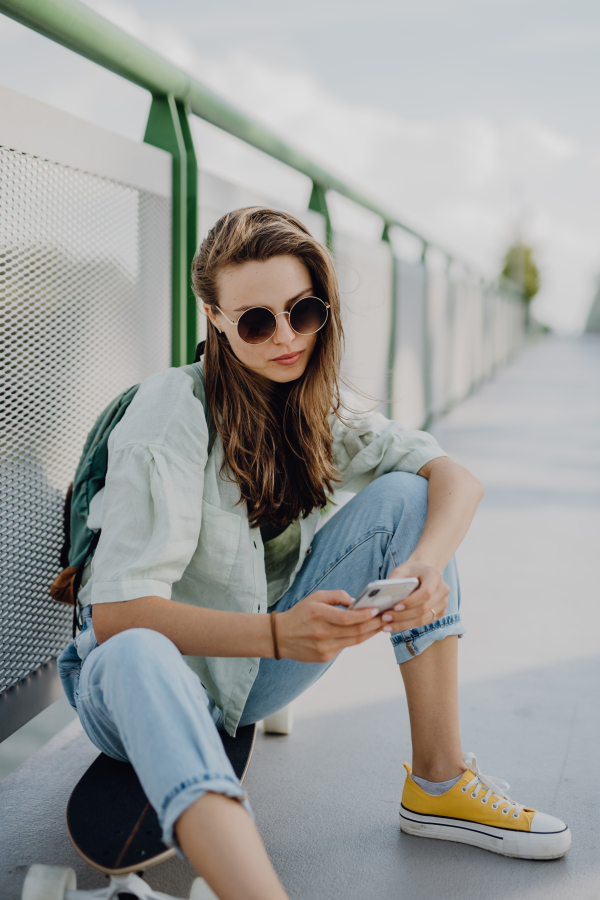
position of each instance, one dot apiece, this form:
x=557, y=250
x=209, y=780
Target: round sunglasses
x=258, y=324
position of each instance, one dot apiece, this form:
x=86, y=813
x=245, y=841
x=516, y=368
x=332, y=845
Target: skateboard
x=110, y=821
x=115, y=830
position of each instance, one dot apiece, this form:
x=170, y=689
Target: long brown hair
x=277, y=442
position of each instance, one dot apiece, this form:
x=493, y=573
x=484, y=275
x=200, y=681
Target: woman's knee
x=399, y=487
x=138, y=652
x=141, y=641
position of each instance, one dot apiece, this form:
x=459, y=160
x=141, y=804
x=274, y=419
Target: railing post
x=192, y=212
x=449, y=339
x=168, y=128
x=427, y=350
x=318, y=203
x=393, y=325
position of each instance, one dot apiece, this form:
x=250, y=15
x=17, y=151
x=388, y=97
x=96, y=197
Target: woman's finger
x=333, y=598
x=347, y=617
x=415, y=619
x=368, y=628
x=438, y=600
x=337, y=632
x=428, y=585
x=430, y=589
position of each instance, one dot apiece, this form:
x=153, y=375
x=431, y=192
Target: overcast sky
x=470, y=119
x=426, y=58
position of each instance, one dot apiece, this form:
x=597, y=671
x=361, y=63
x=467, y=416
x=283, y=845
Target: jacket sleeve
x=151, y=512
x=368, y=445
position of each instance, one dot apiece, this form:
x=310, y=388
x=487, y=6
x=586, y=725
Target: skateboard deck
x=110, y=821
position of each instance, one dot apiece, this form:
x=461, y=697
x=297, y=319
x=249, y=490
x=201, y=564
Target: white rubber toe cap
x=542, y=823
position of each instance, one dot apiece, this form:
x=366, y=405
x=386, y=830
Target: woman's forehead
x=279, y=281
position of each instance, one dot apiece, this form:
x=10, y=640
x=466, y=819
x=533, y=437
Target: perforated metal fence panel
x=84, y=313
x=365, y=274
x=408, y=385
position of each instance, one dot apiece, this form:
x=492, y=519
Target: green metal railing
x=169, y=128
x=176, y=94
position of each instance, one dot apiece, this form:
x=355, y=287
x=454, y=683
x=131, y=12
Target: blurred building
x=593, y=320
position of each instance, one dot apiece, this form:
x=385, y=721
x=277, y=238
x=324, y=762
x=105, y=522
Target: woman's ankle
x=436, y=770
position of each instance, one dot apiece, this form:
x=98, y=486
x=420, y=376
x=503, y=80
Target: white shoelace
x=490, y=786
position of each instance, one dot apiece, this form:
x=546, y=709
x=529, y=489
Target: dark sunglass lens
x=308, y=315
x=256, y=325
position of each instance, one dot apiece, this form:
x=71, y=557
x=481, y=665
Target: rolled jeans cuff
x=186, y=793
x=408, y=644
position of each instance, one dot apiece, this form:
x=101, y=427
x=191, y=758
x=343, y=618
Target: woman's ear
x=210, y=314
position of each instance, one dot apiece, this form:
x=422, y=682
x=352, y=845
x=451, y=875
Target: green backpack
x=90, y=477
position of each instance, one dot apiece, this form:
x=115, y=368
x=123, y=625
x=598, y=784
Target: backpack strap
x=91, y=475
x=80, y=542
x=199, y=351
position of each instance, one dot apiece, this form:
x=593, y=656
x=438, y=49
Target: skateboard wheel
x=280, y=722
x=201, y=891
x=48, y=883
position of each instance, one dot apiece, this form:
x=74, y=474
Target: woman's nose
x=284, y=333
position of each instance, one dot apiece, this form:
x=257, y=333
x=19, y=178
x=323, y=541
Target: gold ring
x=434, y=615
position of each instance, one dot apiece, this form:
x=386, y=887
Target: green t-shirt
x=281, y=556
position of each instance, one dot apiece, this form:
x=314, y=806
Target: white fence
x=85, y=311
x=420, y=335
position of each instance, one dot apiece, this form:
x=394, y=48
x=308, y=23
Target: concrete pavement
x=326, y=799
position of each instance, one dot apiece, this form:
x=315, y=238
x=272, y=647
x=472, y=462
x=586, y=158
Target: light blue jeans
x=139, y=701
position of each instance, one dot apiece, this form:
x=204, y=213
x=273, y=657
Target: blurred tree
x=520, y=267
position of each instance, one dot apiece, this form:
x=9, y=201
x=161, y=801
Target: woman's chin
x=279, y=372
x=281, y=375
x=285, y=372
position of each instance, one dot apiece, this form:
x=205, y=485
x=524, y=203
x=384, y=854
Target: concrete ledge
x=33, y=800
x=28, y=697
x=327, y=798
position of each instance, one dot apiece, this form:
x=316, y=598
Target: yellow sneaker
x=476, y=810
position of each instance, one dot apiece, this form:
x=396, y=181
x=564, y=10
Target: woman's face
x=276, y=284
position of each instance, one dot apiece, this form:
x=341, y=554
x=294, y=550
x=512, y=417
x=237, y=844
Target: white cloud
x=553, y=40
x=467, y=181
x=159, y=35
x=9, y=31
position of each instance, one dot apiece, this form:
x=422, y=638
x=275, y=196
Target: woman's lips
x=289, y=360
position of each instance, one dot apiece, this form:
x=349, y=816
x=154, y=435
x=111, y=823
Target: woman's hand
x=316, y=630
x=426, y=604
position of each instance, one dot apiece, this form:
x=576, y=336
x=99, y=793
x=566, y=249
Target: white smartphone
x=385, y=594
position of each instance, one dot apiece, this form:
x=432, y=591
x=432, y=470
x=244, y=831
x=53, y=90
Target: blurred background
x=477, y=126
x=477, y=123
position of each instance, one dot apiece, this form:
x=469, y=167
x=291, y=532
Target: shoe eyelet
x=484, y=801
x=474, y=795
x=494, y=806
x=463, y=790
x=504, y=812
x=515, y=815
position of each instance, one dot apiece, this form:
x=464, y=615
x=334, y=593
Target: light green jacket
x=172, y=526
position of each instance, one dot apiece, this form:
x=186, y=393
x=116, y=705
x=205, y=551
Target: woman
x=214, y=557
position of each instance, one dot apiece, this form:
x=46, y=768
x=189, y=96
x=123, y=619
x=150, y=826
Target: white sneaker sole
x=506, y=841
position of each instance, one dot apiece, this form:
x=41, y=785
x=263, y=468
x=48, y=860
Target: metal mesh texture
x=84, y=313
